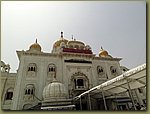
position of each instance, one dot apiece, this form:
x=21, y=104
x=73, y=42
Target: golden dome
x=35, y=46
x=58, y=42
x=103, y=53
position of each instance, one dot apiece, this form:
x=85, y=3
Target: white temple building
x=71, y=77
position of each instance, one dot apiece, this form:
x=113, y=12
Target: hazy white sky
x=120, y=27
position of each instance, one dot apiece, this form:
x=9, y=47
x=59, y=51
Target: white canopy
x=135, y=77
x=58, y=107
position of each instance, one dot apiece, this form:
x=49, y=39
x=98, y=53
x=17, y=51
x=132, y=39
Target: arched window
x=29, y=90
x=32, y=67
x=9, y=94
x=100, y=70
x=113, y=70
x=51, y=68
x=80, y=81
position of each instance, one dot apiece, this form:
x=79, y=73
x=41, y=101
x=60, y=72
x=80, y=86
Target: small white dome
x=54, y=90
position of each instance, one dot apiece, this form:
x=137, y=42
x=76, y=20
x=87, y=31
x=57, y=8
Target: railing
x=77, y=51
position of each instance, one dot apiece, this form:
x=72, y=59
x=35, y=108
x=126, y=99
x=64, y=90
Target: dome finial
x=72, y=37
x=36, y=41
x=61, y=34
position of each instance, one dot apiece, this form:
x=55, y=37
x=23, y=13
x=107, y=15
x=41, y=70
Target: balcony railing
x=77, y=50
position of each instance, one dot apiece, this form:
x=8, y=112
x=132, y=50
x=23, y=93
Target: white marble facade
x=71, y=63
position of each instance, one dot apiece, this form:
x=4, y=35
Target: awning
x=135, y=77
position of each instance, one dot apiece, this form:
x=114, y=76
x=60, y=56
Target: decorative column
x=116, y=101
x=130, y=94
x=89, y=101
x=104, y=99
x=80, y=103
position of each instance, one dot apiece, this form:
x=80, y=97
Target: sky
x=118, y=26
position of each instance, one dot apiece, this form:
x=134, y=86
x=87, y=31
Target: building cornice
x=106, y=58
x=92, y=56
x=20, y=53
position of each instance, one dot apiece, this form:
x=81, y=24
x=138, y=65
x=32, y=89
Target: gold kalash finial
x=36, y=41
x=61, y=34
